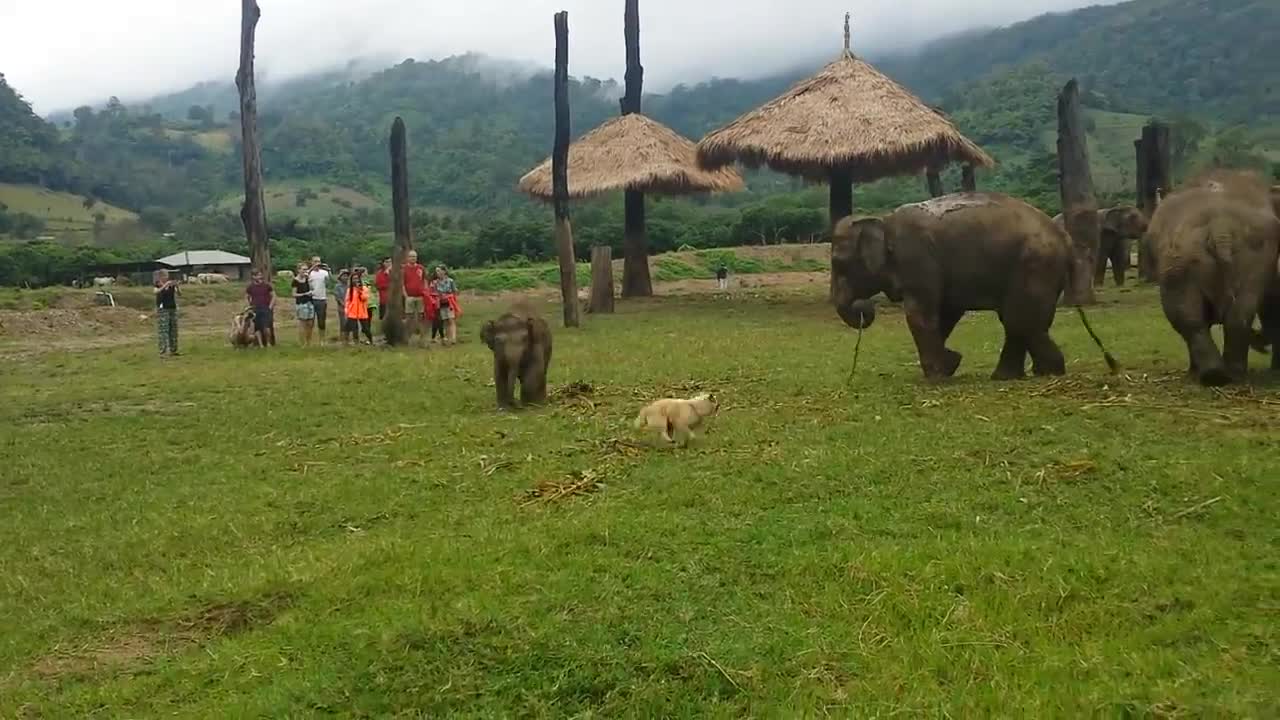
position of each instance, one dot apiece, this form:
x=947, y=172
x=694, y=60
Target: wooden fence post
x=934, y=181
x=393, y=327
x=968, y=179
x=1079, y=205
x=601, y=280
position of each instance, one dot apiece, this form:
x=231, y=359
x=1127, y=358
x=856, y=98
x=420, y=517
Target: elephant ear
x=873, y=246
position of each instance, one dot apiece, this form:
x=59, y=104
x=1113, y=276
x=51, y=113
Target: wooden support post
x=636, y=280
x=393, y=328
x=1153, y=156
x=601, y=280
x=253, y=214
x=1145, y=200
x=968, y=179
x=840, y=207
x=934, y=181
x=1079, y=205
x=560, y=177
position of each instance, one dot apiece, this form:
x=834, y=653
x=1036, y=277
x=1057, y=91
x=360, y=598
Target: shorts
x=322, y=311
x=264, y=319
x=446, y=312
x=414, y=307
x=306, y=312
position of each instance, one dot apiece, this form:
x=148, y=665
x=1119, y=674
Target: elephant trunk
x=859, y=315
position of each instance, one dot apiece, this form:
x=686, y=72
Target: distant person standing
x=262, y=298
x=722, y=276
x=167, y=292
x=302, y=299
x=319, y=279
x=340, y=298
x=382, y=280
x=415, y=286
x=375, y=302
x=357, y=309
x=450, y=310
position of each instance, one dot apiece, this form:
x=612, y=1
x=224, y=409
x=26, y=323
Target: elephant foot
x=1215, y=377
x=1008, y=374
x=1049, y=370
x=944, y=369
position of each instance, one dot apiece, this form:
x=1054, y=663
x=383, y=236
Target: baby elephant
x=521, y=345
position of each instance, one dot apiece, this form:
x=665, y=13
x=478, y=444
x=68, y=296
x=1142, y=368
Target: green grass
x=59, y=210
x=281, y=199
x=346, y=533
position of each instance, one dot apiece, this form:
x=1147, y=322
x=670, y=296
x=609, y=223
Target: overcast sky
x=60, y=53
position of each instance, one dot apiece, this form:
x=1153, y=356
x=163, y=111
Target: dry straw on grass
x=849, y=116
x=632, y=152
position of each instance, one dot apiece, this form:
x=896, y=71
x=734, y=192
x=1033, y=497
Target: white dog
x=678, y=418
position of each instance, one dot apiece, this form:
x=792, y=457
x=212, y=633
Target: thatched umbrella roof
x=632, y=152
x=849, y=117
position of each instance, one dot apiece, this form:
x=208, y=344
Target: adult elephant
x=944, y=257
x=1116, y=227
x=1215, y=244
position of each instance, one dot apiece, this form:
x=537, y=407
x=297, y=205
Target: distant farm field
x=357, y=533
x=321, y=200
x=59, y=210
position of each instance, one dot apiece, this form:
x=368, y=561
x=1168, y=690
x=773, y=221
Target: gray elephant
x=1215, y=244
x=1116, y=227
x=944, y=257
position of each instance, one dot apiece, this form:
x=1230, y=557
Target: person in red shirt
x=415, y=289
x=382, y=280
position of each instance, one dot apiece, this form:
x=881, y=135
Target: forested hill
x=1215, y=58
x=477, y=123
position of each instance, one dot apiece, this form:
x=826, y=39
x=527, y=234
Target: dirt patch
x=128, y=648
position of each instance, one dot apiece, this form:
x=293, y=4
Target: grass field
x=329, y=200
x=359, y=534
x=61, y=211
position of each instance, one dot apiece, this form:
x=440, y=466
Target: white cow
x=213, y=279
x=285, y=275
x=104, y=281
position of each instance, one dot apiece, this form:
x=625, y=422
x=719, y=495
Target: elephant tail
x=1112, y=364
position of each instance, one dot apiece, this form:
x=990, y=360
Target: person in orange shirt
x=357, y=307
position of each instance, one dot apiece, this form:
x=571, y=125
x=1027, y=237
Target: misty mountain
x=477, y=123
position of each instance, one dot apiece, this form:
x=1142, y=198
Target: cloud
x=60, y=53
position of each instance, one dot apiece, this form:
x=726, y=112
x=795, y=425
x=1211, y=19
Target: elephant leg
x=533, y=385
x=1013, y=358
x=1100, y=264
x=1235, y=349
x=947, y=321
x=1269, y=316
x=923, y=321
x=504, y=379
x=1185, y=310
x=1120, y=261
x=1046, y=356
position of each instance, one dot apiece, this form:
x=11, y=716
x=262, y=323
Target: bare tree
x=253, y=214
x=393, y=327
x=636, y=281
x=560, y=177
x=1079, y=205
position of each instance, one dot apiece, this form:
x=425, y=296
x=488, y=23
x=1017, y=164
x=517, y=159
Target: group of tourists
x=430, y=299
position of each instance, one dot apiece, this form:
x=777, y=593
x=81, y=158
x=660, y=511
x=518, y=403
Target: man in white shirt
x=319, y=293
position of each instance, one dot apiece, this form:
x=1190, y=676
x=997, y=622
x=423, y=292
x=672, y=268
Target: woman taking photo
x=450, y=310
x=306, y=311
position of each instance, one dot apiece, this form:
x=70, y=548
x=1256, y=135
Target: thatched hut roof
x=632, y=152
x=849, y=116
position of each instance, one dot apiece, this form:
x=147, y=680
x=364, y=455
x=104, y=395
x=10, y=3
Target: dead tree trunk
x=601, y=280
x=968, y=180
x=636, y=281
x=393, y=328
x=1079, y=206
x=253, y=214
x=1146, y=203
x=934, y=181
x=1154, y=164
x=560, y=177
